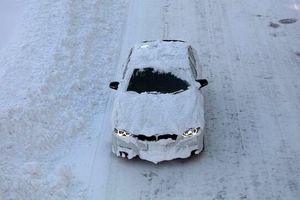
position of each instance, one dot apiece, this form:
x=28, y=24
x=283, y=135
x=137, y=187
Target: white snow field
x=57, y=58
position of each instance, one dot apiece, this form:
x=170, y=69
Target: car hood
x=154, y=114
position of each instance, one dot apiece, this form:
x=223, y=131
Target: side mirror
x=203, y=82
x=114, y=85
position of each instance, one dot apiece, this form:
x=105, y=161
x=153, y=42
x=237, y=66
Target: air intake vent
x=155, y=137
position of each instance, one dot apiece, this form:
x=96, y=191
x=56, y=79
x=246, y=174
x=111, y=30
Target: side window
x=126, y=65
x=192, y=62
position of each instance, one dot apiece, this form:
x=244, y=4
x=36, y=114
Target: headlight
x=121, y=132
x=191, y=132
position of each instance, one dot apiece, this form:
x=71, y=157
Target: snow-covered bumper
x=157, y=150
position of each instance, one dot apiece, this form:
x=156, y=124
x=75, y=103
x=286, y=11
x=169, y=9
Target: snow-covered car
x=158, y=108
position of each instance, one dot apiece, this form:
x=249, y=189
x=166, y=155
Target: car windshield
x=150, y=81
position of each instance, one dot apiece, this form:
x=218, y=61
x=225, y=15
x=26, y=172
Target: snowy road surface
x=252, y=102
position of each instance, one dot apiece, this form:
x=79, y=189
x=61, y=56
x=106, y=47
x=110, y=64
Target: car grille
x=155, y=137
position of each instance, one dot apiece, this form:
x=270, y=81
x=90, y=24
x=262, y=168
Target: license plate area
x=156, y=147
x=161, y=146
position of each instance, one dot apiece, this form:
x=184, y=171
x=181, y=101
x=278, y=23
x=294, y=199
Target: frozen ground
x=57, y=57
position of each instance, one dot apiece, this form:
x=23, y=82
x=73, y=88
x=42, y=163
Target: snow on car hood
x=151, y=114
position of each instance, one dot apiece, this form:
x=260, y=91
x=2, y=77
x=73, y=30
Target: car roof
x=168, y=55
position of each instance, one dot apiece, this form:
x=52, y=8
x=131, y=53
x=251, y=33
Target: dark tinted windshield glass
x=148, y=80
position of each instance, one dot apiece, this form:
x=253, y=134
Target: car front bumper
x=157, y=151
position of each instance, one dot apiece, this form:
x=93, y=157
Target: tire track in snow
x=284, y=101
x=265, y=87
x=224, y=138
x=244, y=104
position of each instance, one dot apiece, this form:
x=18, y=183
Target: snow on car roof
x=164, y=56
